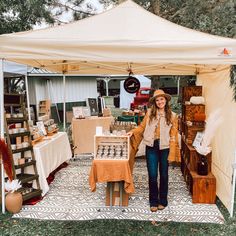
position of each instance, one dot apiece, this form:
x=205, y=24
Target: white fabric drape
x=218, y=94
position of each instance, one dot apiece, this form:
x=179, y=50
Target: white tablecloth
x=50, y=154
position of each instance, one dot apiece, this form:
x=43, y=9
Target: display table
x=50, y=154
x=83, y=131
x=111, y=171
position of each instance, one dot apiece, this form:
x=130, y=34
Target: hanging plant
x=233, y=80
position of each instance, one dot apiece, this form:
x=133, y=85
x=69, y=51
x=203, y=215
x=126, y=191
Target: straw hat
x=160, y=93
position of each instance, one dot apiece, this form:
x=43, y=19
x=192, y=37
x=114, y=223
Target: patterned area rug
x=69, y=198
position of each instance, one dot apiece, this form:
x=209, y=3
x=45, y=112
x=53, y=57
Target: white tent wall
x=37, y=90
x=127, y=98
x=218, y=94
x=15, y=68
x=77, y=89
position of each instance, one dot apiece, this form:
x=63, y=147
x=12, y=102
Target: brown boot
x=161, y=207
x=153, y=209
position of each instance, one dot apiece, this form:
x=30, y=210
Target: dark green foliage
x=21, y=15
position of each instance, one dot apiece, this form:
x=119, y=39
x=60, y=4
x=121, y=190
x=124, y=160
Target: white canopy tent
x=126, y=38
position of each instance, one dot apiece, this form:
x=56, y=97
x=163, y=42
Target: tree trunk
x=155, y=5
x=155, y=83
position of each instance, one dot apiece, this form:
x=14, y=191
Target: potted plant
x=14, y=199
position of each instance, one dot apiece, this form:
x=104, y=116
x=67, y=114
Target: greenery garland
x=233, y=80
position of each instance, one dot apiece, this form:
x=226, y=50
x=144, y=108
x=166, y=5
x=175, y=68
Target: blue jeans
x=155, y=157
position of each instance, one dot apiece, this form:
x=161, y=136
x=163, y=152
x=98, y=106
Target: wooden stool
x=115, y=194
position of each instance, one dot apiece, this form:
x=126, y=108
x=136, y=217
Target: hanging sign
x=131, y=84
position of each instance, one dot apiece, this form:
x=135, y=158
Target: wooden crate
x=191, y=157
x=200, y=124
x=116, y=192
x=190, y=132
x=189, y=91
x=122, y=125
x=203, y=188
x=188, y=111
x=45, y=108
x=112, y=144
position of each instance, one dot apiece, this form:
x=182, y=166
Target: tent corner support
x=2, y=130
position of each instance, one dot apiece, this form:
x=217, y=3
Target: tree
x=216, y=17
x=21, y=15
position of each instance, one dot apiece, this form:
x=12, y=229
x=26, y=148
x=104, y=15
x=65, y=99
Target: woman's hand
x=130, y=134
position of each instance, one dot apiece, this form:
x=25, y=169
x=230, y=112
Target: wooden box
x=191, y=157
x=190, y=132
x=189, y=91
x=116, y=192
x=188, y=111
x=123, y=125
x=83, y=131
x=111, y=147
x=203, y=188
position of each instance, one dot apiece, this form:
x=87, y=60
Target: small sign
x=81, y=112
x=41, y=128
x=198, y=139
x=131, y=84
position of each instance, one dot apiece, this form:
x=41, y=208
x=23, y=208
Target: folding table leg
x=111, y=188
x=121, y=192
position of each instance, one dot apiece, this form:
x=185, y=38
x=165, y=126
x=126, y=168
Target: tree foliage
x=21, y=15
x=212, y=16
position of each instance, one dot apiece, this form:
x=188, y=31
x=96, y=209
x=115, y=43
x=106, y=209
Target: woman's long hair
x=154, y=110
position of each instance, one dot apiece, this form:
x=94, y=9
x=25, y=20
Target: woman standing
x=158, y=130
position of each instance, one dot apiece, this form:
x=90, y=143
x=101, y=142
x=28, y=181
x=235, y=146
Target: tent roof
x=116, y=40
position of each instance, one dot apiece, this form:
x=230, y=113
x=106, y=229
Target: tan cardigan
x=138, y=136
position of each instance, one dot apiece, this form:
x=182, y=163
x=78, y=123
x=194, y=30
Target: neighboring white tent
x=127, y=98
x=14, y=68
x=129, y=38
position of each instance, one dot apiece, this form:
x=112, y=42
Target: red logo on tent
x=225, y=52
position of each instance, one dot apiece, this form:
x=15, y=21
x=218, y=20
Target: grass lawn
x=25, y=227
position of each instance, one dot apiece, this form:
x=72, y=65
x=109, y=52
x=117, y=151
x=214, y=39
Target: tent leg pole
x=64, y=102
x=233, y=187
x=2, y=130
x=178, y=85
x=233, y=194
x=27, y=96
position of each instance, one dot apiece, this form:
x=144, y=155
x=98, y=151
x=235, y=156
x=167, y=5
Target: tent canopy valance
x=124, y=37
